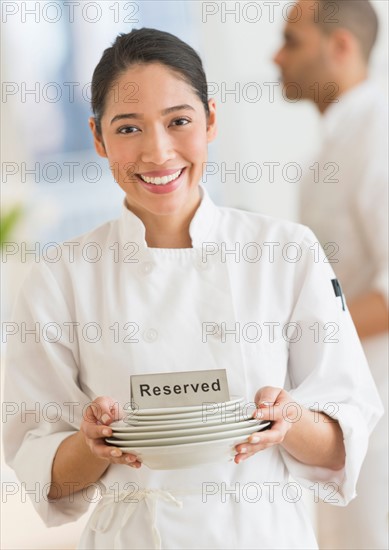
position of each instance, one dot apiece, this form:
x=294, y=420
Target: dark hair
x=357, y=16
x=142, y=46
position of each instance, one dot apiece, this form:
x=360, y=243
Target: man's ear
x=342, y=45
x=97, y=138
x=211, y=121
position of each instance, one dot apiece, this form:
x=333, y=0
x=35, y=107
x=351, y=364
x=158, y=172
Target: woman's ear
x=97, y=138
x=211, y=121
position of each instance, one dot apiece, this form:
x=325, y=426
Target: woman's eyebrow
x=126, y=115
x=184, y=106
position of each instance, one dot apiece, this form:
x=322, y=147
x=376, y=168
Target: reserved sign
x=179, y=389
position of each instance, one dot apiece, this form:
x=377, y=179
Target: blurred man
x=344, y=199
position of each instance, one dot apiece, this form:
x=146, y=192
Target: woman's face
x=155, y=132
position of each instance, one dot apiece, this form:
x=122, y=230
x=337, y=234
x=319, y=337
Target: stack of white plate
x=183, y=437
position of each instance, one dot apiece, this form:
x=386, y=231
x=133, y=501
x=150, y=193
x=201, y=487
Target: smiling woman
x=164, y=292
x=156, y=151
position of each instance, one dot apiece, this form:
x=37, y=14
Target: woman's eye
x=180, y=122
x=127, y=130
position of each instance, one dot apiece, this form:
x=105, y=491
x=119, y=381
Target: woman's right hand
x=95, y=428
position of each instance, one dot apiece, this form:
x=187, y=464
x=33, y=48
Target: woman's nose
x=158, y=148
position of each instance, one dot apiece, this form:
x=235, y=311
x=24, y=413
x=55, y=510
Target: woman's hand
x=309, y=436
x=83, y=457
x=95, y=428
x=276, y=405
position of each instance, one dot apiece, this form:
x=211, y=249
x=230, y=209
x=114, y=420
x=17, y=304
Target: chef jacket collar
x=132, y=228
x=336, y=115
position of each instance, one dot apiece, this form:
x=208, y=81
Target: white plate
x=135, y=426
x=191, y=408
x=172, y=441
x=174, y=457
x=178, y=430
x=171, y=420
x=196, y=416
x=207, y=412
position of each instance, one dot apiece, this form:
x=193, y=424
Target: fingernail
x=105, y=418
x=116, y=453
x=243, y=450
x=266, y=403
x=255, y=439
x=106, y=431
x=129, y=459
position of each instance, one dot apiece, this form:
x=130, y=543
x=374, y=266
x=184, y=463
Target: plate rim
x=261, y=424
x=161, y=411
x=184, y=446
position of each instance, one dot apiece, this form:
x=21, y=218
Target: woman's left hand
x=272, y=404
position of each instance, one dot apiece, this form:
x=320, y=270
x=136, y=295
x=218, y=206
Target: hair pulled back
x=143, y=46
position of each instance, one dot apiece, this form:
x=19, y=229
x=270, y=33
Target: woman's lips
x=162, y=188
x=161, y=179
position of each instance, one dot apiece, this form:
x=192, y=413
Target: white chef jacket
x=168, y=294
x=348, y=205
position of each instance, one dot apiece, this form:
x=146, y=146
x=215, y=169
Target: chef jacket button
x=146, y=267
x=218, y=332
x=150, y=335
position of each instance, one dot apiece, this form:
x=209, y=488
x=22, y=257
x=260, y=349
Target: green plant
x=8, y=221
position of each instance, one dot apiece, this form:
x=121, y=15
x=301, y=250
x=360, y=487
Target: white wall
x=238, y=52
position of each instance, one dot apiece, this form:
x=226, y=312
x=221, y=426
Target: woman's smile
x=161, y=181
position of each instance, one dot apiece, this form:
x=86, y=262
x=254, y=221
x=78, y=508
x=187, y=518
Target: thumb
x=267, y=396
x=105, y=410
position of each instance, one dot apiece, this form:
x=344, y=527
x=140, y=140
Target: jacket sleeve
x=329, y=373
x=43, y=400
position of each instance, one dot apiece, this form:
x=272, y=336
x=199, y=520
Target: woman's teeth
x=161, y=181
